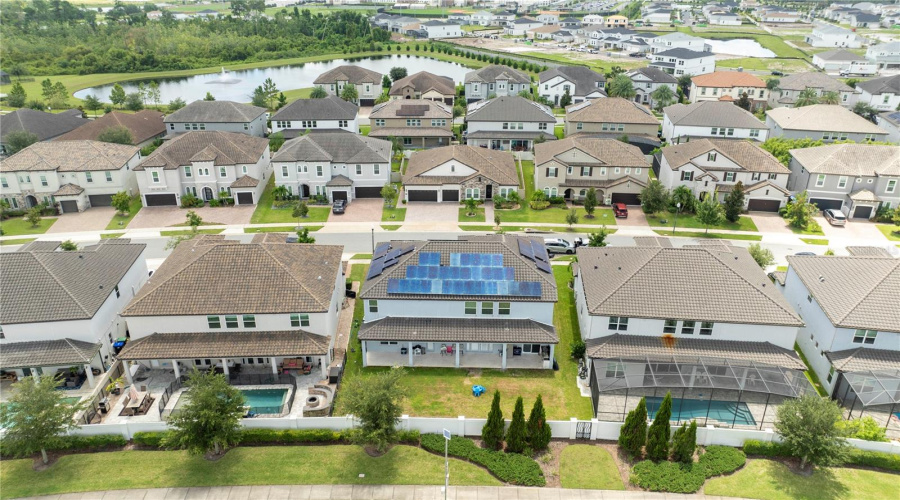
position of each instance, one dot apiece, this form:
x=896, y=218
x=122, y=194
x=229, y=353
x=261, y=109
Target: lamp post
x=675, y=219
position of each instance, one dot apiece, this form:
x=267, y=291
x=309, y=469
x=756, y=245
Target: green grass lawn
x=714, y=236
x=559, y=131
x=390, y=227
x=588, y=467
x=396, y=214
x=810, y=374
x=362, y=256
x=769, y=64
x=111, y=236
x=265, y=213
x=805, y=231
x=478, y=217
x=279, y=229
x=121, y=221
x=15, y=226
x=17, y=241
x=889, y=231
x=200, y=231
x=339, y=464
x=771, y=480
x=508, y=229
x=691, y=222
x=814, y=241
x=358, y=273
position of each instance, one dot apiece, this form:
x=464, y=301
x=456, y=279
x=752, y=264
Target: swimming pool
x=71, y=401
x=696, y=409
x=260, y=401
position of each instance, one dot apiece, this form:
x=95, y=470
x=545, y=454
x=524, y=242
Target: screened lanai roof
x=875, y=387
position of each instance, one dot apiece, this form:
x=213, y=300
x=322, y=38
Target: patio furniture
x=477, y=390
x=307, y=368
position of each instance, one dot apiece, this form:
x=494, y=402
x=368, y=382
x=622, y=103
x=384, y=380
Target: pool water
x=71, y=401
x=695, y=409
x=264, y=400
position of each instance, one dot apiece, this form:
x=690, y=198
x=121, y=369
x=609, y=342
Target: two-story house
x=829, y=35
x=207, y=165
x=521, y=26
x=549, y=16
x=882, y=93
x=790, y=86
x=843, y=61
x=419, y=124
x=711, y=119
x=424, y=85
x=616, y=21
x=45, y=126
x=678, y=40
x=509, y=123
x=145, y=126
x=680, y=62
x=195, y=312
x=612, y=116
x=647, y=80
x=579, y=82
x=436, y=29
x=729, y=86
x=884, y=55
x=223, y=116
x=825, y=122
x=76, y=175
x=716, y=166
x=335, y=164
x=723, y=18
x=329, y=113
x=570, y=166
x=495, y=80
x=484, y=302
x=60, y=309
x=854, y=178
x=455, y=173
x=592, y=19
x=367, y=82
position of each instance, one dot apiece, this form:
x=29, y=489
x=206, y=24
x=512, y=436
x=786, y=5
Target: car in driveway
x=834, y=217
x=558, y=245
x=338, y=206
x=620, y=210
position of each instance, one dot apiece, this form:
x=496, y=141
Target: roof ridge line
x=137, y=299
x=69, y=342
x=755, y=287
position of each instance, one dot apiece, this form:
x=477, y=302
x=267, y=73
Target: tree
x=572, y=218
x=565, y=100
x=539, y=433
x=133, y=102
x=654, y=198
x=176, y=104
x=376, y=402
x=68, y=246
x=193, y=220
x=121, y=202
x=709, y=211
x=397, y=72
x=211, y=418
x=270, y=90
x=633, y=433
x=471, y=205
x=116, y=135
x=516, y=436
x=781, y=148
x=153, y=94
x=763, y=256
x=772, y=84
x=662, y=97
x=349, y=93
x=684, y=442
x=598, y=238
x=683, y=195
x=685, y=82
x=209, y=97
x=620, y=86
x=301, y=211
x=809, y=429
x=17, y=96
x=47, y=91
x=276, y=140
x=117, y=95
x=142, y=91
x=734, y=202
x=830, y=97
x=492, y=431
x=282, y=100
x=389, y=193
x=18, y=140
x=744, y=102
x=318, y=92
x=258, y=98
x=36, y=415
x=91, y=103
x=865, y=110
x=800, y=212
x=590, y=202
x=385, y=82
x=807, y=97
x=304, y=237
x=497, y=220
x=33, y=215
x=660, y=431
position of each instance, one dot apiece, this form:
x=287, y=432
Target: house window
x=116, y=290
x=754, y=132
x=637, y=171
x=439, y=123
x=89, y=177
x=503, y=308
x=706, y=328
x=379, y=122
x=223, y=172
x=687, y=327
x=246, y=126
x=714, y=131
x=842, y=181
x=282, y=124
x=376, y=169
x=820, y=180
x=249, y=321
x=471, y=307
x=359, y=170
x=579, y=126
x=542, y=126
x=864, y=336
x=187, y=172
x=214, y=322
x=284, y=170
x=602, y=171
x=413, y=122
x=407, y=141
x=3, y=182
x=830, y=375
x=319, y=172
x=373, y=306
x=551, y=171
x=569, y=170
x=342, y=123
x=231, y=322
x=755, y=176
x=670, y=326
x=154, y=176
x=585, y=171
x=773, y=177
x=616, y=170
x=310, y=124
x=891, y=186
x=618, y=323
x=711, y=156
x=108, y=177
x=473, y=193
x=687, y=175
x=487, y=308
x=298, y=319
x=729, y=176
x=730, y=131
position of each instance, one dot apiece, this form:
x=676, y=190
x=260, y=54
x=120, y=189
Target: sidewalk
x=370, y=492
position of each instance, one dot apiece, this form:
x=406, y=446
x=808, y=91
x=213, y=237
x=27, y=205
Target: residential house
x=843, y=61
x=646, y=80
x=191, y=315
x=790, y=86
x=778, y=15
x=886, y=56
x=613, y=115
x=60, y=309
x=826, y=122
x=478, y=302
x=459, y=16
x=509, y=123
x=717, y=165
x=570, y=23
x=334, y=163
x=329, y=113
x=678, y=40
x=221, y=116
x=549, y=16
x=403, y=24
x=562, y=36
x=72, y=175
x=570, y=166
x=890, y=122
x=590, y=19
x=547, y=32
x=719, y=335
x=435, y=29
x=208, y=165
x=711, y=119
x=865, y=20
x=423, y=124
x=45, y=126
x=495, y=80
x=729, y=86
x=455, y=173
x=881, y=93
x=660, y=16
x=579, y=82
x=521, y=26
x=503, y=18
x=613, y=38
x=680, y=62
x=829, y=35
x=367, y=82
x=424, y=85
x=723, y=18
x=482, y=18
x=145, y=126
x=616, y=21
x=853, y=178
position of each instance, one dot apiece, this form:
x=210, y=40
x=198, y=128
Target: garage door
x=825, y=204
x=422, y=195
x=245, y=198
x=763, y=205
x=69, y=207
x=450, y=194
x=862, y=212
x=339, y=195
x=100, y=200
x=367, y=192
x=626, y=198
x=160, y=200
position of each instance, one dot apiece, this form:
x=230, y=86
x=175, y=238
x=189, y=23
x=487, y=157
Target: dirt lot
x=544, y=47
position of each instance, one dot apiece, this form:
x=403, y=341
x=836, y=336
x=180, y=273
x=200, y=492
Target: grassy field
x=774, y=43
x=889, y=231
x=122, y=221
x=17, y=241
x=714, y=236
x=589, y=467
x=478, y=217
x=339, y=464
x=763, y=64
x=16, y=226
x=691, y=222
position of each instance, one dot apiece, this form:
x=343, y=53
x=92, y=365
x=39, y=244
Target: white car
x=834, y=217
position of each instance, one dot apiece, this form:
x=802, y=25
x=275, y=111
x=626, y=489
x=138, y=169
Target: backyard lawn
x=589, y=467
x=265, y=213
x=121, y=221
x=478, y=217
x=890, y=232
x=18, y=225
x=691, y=222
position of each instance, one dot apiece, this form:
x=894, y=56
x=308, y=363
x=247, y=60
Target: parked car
x=834, y=217
x=635, y=54
x=559, y=245
x=806, y=254
x=777, y=73
x=620, y=210
x=338, y=206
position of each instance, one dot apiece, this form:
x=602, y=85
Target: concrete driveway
x=855, y=229
x=92, y=219
x=150, y=217
x=428, y=211
x=768, y=222
x=636, y=218
x=360, y=210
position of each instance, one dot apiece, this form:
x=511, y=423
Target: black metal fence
x=167, y=394
x=337, y=386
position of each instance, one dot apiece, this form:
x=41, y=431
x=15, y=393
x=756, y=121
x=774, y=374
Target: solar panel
x=408, y=249
x=375, y=268
x=543, y=266
x=381, y=249
x=429, y=259
x=412, y=110
x=540, y=251
x=525, y=249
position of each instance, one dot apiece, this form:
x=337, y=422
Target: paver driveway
x=770, y=223
x=169, y=216
x=360, y=210
x=92, y=219
x=855, y=229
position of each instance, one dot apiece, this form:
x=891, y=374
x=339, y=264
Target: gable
x=575, y=156
x=721, y=161
x=451, y=168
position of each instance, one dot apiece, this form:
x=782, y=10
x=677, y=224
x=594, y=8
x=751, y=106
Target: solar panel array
x=536, y=252
x=385, y=257
x=467, y=274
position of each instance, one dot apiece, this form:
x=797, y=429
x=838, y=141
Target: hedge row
x=877, y=459
x=69, y=443
x=679, y=477
x=512, y=468
x=276, y=436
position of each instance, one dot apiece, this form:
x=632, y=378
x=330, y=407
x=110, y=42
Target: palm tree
x=318, y=92
x=280, y=192
x=807, y=97
x=662, y=97
x=830, y=97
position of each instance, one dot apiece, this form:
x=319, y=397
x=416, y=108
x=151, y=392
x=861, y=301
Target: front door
x=495, y=144
x=207, y=194
x=30, y=201
x=305, y=191
x=489, y=192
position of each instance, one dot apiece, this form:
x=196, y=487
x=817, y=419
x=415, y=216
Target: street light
x=675, y=219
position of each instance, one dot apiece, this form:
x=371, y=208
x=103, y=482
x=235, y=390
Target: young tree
x=772, y=84
x=36, y=415
x=471, y=205
x=121, y=202
x=684, y=441
x=734, y=202
x=763, y=256
x=809, y=428
x=47, y=91
x=176, y=104
x=133, y=102
x=565, y=100
x=800, y=212
x=633, y=433
x=516, y=436
x=620, y=86
x=497, y=220
x=117, y=95
x=807, y=97
x=19, y=140
x=598, y=238
x=301, y=210
x=662, y=97
x=153, y=94
x=304, y=237
x=116, y=135
x=91, y=103
x=282, y=100
x=385, y=82
x=318, y=92
x=33, y=215
x=349, y=93
x=389, y=194
x=709, y=211
x=397, y=73
x=17, y=96
x=376, y=402
x=660, y=431
x=68, y=246
x=211, y=418
x=654, y=198
x=276, y=140
x=590, y=202
x=493, y=430
x=209, y=97
x=271, y=92
x=193, y=220
x=539, y=433
x=572, y=218
x=744, y=102
x=258, y=97
x=865, y=110
x=683, y=195
x=142, y=91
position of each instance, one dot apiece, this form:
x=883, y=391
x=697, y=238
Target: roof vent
x=80, y=256
x=101, y=287
x=595, y=267
x=620, y=268
x=319, y=278
x=822, y=279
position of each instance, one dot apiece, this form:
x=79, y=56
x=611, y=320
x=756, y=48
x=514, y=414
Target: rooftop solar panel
x=375, y=268
x=525, y=249
x=412, y=110
x=540, y=251
x=381, y=249
x=543, y=266
x=429, y=258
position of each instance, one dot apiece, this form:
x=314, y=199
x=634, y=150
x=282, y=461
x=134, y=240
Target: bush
x=678, y=477
x=877, y=459
x=291, y=436
x=865, y=428
x=718, y=460
x=411, y=438
x=578, y=349
x=512, y=468
x=73, y=443
x=149, y=439
x=190, y=201
x=763, y=449
x=539, y=205
x=557, y=200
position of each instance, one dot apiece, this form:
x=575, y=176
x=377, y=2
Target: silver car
x=834, y=217
x=558, y=245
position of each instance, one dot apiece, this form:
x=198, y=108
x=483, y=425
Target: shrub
x=411, y=438
x=517, y=436
x=764, y=449
x=633, y=433
x=660, y=431
x=289, y=436
x=557, y=200
x=578, y=349
x=512, y=468
x=878, y=459
x=72, y=443
x=668, y=476
x=718, y=460
x=149, y=439
x=684, y=442
x=189, y=201
x=492, y=431
x=539, y=205
x=865, y=428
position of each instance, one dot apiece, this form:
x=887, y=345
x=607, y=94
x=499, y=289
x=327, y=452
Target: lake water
x=297, y=76
x=740, y=47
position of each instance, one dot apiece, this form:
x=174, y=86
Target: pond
x=238, y=85
x=740, y=47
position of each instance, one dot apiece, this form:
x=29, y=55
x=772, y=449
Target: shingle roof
x=424, y=81
x=610, y=110
x=69, y=190
x=728, y=79
x=496, y=165
x=335, y=146
x=839, y=55
x=655, y=75
x=811, y=79
x=494, y=72
x=331, y=107
x=608, y=152
x=586, y=80
x=350, y=74
x=59, y=352
x=411, y=108
x=850, y=159
x=216, y=112
x=509, y=108
x=745, y=154
x=712, y=114
x=823, y=118
x=143, y=125
x=698, y=284
x=222, y=148
x=682, y=53
x=39, y=286
x=225, y=345
x=43, y=125
x=885, y=84
x=864, y=359
x=868, y=300
x=458, y=330
x=69, y=156
x=198, y=278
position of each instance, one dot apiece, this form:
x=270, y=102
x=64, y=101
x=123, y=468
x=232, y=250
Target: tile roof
x=198, y=278
x=40, y=246
x=823, y=118
x=728, y=79
x=745, y=154
x=496, y=165
x=868, y=300
x=850, y=159
x=863, y=359
x=61, y=352
x=40, y=285
x=601, y=184
x=866, y=251
x=69, y=190
x=813, y=79
x=387, y=132
x=712, y=114
x=222, y=148
x=586, y=80
x=245, y=181
x=509, y=108
x=458, y=330
x=143, y=125
x=682, y=53
x=335, y=146
x=864, y=195
x=411, y=108
x=610, y=110
x=216, y=112
x=348, y=73
x=655, y=75
x=339, y=180
x=330, y=107
x=839, y=55
x=44, y=125
x=885, y=84
x=610, y=152
x=424, y=81
x=225, y=345
x=494, y=72
x=69, y=156
x=698, y=284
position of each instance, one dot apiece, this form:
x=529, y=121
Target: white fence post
x=770, y=435
x=595, y=428
x=462, y=425
x=709, y=432
x=573, y=427
x=404, y=422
